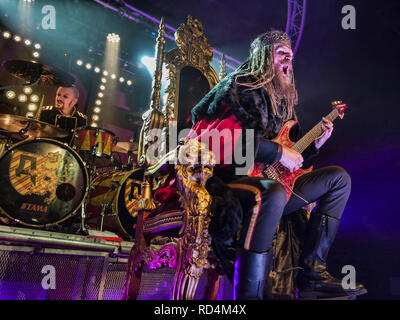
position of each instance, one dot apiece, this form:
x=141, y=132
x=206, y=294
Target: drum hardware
x=94, y=151
x=95, y=147
x=83, y=228
x=129, y=164
x=130, y=148
x=104, y=206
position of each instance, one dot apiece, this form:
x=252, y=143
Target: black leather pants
x=264, y=202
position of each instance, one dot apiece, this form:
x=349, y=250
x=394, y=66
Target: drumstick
x=37, y=116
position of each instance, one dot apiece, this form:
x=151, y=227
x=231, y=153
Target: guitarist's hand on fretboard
x=291, y=159
x=327, y=127
x=289, y=167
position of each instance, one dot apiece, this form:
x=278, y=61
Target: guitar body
x=276, y=171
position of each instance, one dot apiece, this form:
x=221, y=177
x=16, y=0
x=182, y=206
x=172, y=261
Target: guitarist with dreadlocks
x=261, y=95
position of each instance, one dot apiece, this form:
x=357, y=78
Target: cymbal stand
x=92, y=170
x=129, y=165
x=104, y=207
x=129, y=161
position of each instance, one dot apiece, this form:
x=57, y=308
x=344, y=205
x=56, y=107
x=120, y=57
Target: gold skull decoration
x=195, y=162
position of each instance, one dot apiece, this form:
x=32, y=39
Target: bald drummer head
x=66, y=98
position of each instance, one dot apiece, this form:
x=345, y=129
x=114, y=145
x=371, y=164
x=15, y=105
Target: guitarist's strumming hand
x=327, y=127
x=291, y=159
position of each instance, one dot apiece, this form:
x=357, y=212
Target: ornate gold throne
x=174, y=209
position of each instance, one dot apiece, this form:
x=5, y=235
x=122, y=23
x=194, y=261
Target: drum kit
x=76, y=188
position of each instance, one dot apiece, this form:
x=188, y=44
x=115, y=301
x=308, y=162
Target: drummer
x=64, y=114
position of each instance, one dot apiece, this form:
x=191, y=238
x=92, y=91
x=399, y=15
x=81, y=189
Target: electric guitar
x=276, y=171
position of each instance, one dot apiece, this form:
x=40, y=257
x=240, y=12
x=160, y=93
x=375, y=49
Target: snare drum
x=111, y=200
x=43, y=182
x=95, y=145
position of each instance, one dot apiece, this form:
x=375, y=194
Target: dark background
x=360, y=67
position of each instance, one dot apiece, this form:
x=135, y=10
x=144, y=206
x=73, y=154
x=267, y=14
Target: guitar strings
x=274, y=165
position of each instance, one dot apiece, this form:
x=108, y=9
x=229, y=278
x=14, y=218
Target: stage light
x=97, y=69
x=28, y=42
x=101, y=94
x=6, y=34
x=88, y=66
x=95, y=117
x=32, y=107
x=10, y=94
x=27, y=90
x=36, y=54
x=22, y=98
x=93, y=124
x=34, y=98
x=102, y=87
x=104, y=80
x=37, y=46
x=97, y=110
x=121, y=79
x=150, y=64
x=98, y=102
x=105, y=73
x=29, y=115
x=113, y=76
x=79, y=62
x=112, y=37
x=17, y=38
x=129, y=82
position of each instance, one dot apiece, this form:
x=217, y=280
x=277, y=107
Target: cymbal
x=17, y=126
x=125, y=147
x=31, y=72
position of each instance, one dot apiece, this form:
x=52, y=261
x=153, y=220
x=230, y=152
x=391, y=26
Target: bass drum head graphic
x=43, y=182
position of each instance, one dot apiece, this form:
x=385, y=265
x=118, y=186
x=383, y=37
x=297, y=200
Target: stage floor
x=43, y=265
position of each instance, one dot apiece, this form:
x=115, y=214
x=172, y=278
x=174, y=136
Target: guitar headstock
x=340, y=106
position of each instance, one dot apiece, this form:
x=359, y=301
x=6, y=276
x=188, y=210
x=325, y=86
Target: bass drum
x=111, y=201
x=43, y=182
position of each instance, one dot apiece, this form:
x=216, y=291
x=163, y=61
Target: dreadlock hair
x=260, y=65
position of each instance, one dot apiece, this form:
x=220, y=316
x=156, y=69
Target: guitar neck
x=314, y=133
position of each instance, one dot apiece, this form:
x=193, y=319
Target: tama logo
x=33, y=207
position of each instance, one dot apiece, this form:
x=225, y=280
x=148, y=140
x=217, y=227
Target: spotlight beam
x=167, y=26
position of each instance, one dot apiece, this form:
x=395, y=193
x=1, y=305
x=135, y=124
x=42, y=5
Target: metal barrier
x=42, y=265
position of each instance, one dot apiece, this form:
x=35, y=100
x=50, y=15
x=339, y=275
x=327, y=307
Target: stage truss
x=296, y=14
x=295, y=21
